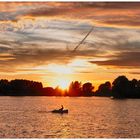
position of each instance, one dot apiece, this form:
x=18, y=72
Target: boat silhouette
x=60, y=111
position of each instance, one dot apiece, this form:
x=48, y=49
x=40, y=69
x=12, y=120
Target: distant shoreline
x=120, y=88
x=69, y=97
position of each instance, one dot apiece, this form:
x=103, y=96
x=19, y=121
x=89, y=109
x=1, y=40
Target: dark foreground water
x=94, y=117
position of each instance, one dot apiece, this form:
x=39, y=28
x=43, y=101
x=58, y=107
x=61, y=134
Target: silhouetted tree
x=134, y=89
x=48, y=91
x=75, y=89
x=121, y=87
x=104, y=90
x=58, y=91
x=87, y=89
x=21, y=87
x=4, y=87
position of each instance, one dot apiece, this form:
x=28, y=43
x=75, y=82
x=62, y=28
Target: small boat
x=60, y=111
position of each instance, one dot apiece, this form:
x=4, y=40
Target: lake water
x=88, y=117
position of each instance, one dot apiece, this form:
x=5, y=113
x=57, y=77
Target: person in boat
x=61, y=108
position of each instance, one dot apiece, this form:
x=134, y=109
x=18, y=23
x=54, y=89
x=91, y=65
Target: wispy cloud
x=106, y=14
x=105, y=46
x=35, y=34
x=122, y=59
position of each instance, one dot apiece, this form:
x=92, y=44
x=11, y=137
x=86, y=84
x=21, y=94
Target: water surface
x=88, y=117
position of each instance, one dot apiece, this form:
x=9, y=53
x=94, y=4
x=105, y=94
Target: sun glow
x=63, y=83
x=60, y=69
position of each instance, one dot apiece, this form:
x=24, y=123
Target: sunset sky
x=37, y=41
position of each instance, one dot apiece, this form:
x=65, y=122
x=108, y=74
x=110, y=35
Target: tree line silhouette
x=121, y=87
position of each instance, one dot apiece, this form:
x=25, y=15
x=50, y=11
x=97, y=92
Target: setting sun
x=62, y=75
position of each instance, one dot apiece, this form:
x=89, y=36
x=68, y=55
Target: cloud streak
x=107, y=14
x=110, y=14
x=122, y=59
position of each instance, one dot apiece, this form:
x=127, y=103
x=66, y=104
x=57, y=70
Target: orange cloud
x=122, y=59
x=13, y=6
x=107, y=14
x=122, y=14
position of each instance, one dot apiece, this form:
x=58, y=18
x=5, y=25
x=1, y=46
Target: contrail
x=83, y=40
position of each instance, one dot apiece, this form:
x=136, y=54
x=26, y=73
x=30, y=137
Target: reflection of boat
x=111, y=97
x=60, y=111
x=117, y=98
